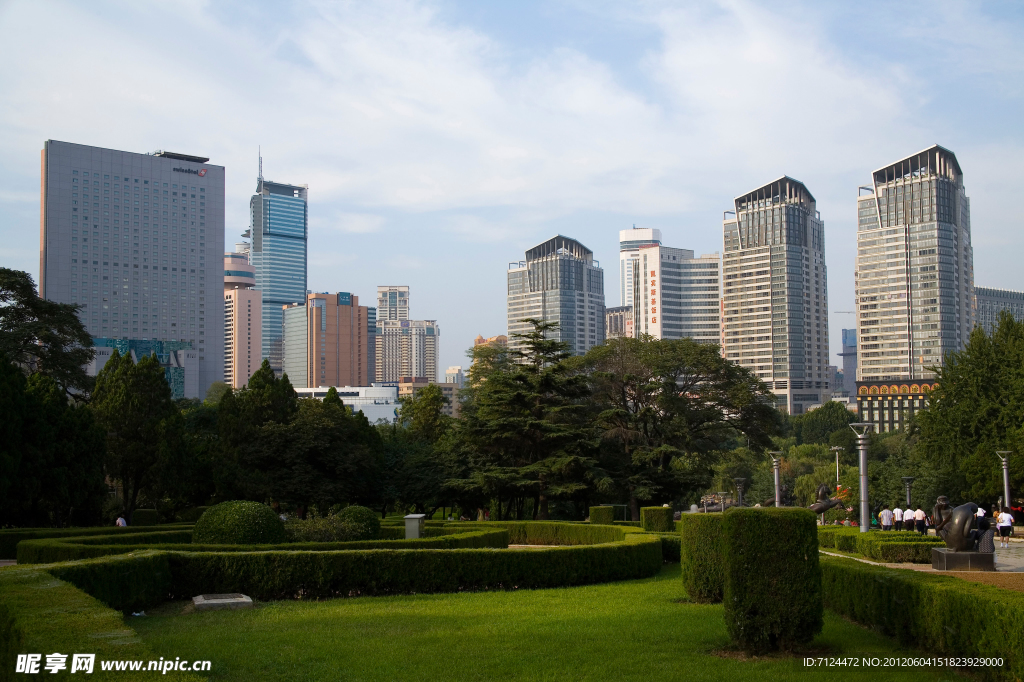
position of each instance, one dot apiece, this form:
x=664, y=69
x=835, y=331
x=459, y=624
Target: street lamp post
x=837, y=449
x=776, y=463
x=908, y=481
x=721, y=497
x=1004, y=456
x=739, y=489
x=863, y=430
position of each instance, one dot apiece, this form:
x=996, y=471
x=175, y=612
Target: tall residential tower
x=279, y=228
x=558, y=282
x=675, y=295
x=242, y=319
x=630, y=242
x=136, y=240
x=775, y=295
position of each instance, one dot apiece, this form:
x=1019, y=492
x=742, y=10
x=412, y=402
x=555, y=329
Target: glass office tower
x=279, y=225
x=558, y=282
x=775, y=295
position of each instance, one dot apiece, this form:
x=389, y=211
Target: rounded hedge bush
x=239, y=522
x=368, y=519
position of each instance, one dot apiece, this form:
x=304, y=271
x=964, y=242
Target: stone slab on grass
x=221, y=602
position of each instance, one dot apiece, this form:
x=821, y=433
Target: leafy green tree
x=667, y=407
x=977, y=409
x=40, y=335
x=216, y=391
x=133, y=404
x=526, y=425
x=818, y=425
x=423, y=413
x=51, y=454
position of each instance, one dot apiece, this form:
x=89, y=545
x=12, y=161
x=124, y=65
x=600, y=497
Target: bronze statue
x=941, y=512
x=955, y=526
x=824, y=503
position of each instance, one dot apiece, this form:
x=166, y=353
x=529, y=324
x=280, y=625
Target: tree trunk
x=542, y=514
x=536, y=506
x=634, y=507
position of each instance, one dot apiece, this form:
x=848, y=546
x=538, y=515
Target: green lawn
x=635, y=630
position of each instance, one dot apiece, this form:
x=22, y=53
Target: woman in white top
x=1005, y=525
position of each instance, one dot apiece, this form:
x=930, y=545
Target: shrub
x=772, y=591
x=700, y=557
x=239, y=523
x=10, y=537
x=896, y=547
x=669, y=547
x=127, y=582
x=602, y=515
x=192, y=514
x=944, y=615
x=657, y=519
x=361, y=516
x=145, y=517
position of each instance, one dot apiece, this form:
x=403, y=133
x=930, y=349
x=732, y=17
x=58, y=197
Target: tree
x=51, y=454
x=818, y=425
x=665, y=407
x=423, y=413
x=133, y=404
x=977, y=409
x=216, y=391
x=40, y=335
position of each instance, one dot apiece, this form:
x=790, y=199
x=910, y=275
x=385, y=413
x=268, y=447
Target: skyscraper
x=325, y=343
x=279, y=228
x=915, y=268
x=242, y=319
x=136, y=240
x=675, y=295
x=992, y=302
x=849, y=356
x=558, y=282
x=392, y=303
x=371, y=344
x=407, y=348
x=775, y=295
x=630, y=242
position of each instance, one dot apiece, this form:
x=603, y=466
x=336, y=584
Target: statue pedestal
x=945, y=560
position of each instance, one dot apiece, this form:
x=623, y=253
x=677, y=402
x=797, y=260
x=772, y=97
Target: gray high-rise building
x=137, y=240
x=371, y=344
x=279, y=225
x=558, y=282
x=914, y=281
x=775, y=292
x=849, y=356
x=992, y=302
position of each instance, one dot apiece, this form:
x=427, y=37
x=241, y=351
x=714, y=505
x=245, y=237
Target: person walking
x=885, y=518
x=897, y=517
x=919, y=517
x=1004, y=523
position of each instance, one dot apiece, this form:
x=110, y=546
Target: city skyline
x=511, y=126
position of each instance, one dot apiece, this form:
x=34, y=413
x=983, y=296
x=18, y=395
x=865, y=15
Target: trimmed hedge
x=895, y=547
x=239, y=522
x=602, y=515
x=10, y=537
x=128, y=582
x=700, y=557
x=941, y=614
x=71, y=549
x=635, y=524
x=670, y=547
x=657, y=519
x=772, y=591
x=145, y=517
x=11, y=638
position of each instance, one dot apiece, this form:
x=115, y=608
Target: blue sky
x=440, y=140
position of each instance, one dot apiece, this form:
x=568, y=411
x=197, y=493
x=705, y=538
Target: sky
x=441, y=140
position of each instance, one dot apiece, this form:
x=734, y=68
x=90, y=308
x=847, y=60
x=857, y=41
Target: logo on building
x=201, y=173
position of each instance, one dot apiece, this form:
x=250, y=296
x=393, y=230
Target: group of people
x=916, y=519
x=891, y=519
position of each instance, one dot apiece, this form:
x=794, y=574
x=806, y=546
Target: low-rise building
x=377, y=403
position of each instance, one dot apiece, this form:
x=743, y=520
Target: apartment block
x=332, y=327
x=675, y=295
x=243, y=319
x=406, y=348
x=991, y=303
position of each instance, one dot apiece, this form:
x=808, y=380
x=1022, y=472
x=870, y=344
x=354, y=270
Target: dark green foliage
x=192, y=514
x=133, y=404
x=897, y=547
x=943, y=615
x=125, y=583
x=239, y=522
x=10, y=537
x=146, y=517
x=602, y=515
x=40, y=335
x=772, y=591
x=351, y=523
x=818, y=425
x=663, y=409
x=364, y=517
x=72, y=549
x=670, y=547
x=657, y=519
x=51, y=454
x=978, y=408
x=700, y=557
x=10, y=642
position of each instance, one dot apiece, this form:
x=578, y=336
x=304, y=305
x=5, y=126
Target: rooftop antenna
x=260, y=152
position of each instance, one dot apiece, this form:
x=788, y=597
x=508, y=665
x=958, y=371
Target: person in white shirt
x=1004, y=523
x=885, y=518
x=897, y=517
x=919, y=518
x=981, y=513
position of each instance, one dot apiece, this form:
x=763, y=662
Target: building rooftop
x=785, y=190
x=562, y=246
x=934, y=160
x=180, y=157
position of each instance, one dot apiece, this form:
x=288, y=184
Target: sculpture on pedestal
x=824, y=503
x=954, y=526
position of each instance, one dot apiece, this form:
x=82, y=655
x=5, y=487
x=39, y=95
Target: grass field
x=633, y=630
